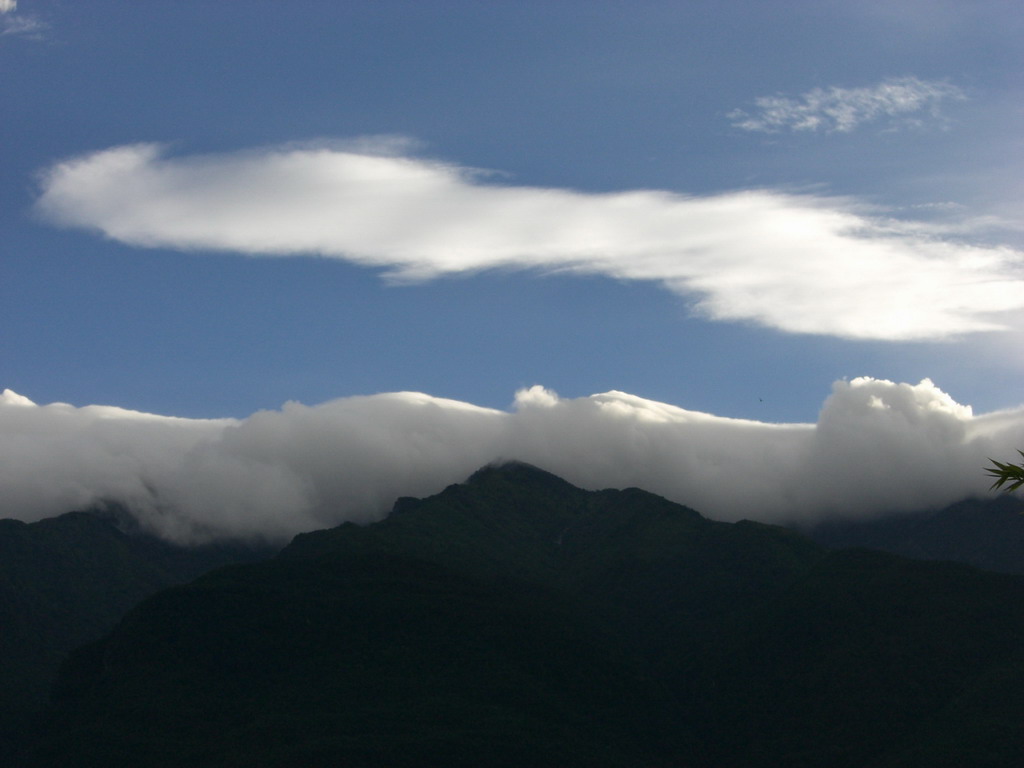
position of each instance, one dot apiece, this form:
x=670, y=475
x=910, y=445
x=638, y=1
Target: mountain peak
x=516, y=471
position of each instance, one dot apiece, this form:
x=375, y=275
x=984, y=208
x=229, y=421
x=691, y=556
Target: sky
x=747, y=216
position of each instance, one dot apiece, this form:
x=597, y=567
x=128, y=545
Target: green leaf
x=1008, y=477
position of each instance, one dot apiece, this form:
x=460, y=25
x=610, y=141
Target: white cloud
x=19, y=24
x=877, y=446
x=841, y=110
x=798, y=263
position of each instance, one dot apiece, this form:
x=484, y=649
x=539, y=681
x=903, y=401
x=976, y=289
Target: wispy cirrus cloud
x=13, y=23
x=841, y=110
x=797, y=263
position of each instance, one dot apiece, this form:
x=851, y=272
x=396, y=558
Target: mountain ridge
x=517, y=619
x=67, y=580
x=987, y=533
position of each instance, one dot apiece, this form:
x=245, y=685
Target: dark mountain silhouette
x=987, y=533
x=517, y=620
x=66, y=581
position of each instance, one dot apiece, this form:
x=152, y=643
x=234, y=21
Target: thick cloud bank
x=877, y=446
x=798, y=263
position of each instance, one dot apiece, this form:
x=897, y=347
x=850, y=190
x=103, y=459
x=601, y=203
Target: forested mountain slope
x=66, y=581
x=517, y=620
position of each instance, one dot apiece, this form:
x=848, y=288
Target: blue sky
x=879, y=138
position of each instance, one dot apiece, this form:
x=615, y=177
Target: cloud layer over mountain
x=877, y=446
x=796, y=262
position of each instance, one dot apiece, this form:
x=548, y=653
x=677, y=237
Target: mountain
x=66, y=581
x=517, y=620
x=986, y=533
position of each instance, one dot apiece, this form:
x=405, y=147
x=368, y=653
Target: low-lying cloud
x=797, y=263
x=877, y=447
x=901, y=101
